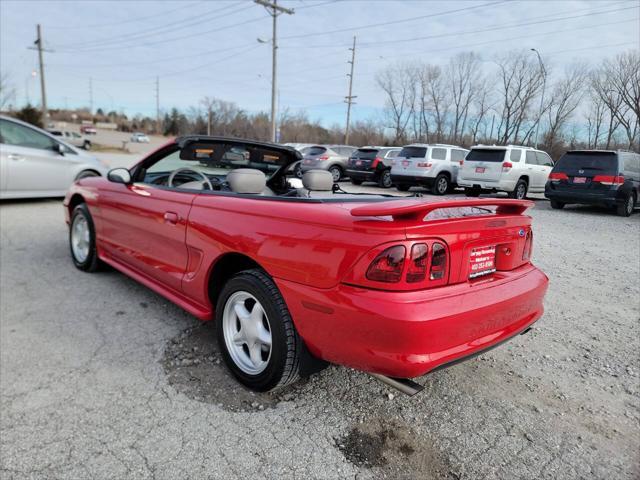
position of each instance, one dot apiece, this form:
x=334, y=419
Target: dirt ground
x=101, y=378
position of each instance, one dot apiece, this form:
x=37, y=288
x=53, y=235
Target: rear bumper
x=408, y=334
x=412, y=180
x=364, y=175
x=501, y=185
x=318, y=166
x=607, y=198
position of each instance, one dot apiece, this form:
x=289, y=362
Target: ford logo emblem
x=521, y=232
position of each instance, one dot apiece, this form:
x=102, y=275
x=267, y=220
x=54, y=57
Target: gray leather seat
x=316, y=181
x=248, y=180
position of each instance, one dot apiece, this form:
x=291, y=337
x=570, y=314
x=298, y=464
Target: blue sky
x=209, y=48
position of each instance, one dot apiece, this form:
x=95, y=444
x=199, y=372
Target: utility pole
x=544, y=85
x=349, y=98
x=91, y=96
x=40, y=48
x=158, y=104
x=274, y=10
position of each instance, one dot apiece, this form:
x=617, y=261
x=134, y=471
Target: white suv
x=434, y=166
x=513, y=169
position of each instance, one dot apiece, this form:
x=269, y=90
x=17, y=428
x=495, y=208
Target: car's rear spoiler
x=417, y=210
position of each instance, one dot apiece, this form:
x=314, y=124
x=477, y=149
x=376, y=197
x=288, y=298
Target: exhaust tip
x=404, y=385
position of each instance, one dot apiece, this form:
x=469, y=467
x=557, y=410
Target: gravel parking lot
x=101, y=378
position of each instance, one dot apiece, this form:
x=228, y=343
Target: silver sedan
x=34, y=163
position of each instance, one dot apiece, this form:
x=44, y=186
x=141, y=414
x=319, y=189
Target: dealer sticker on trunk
x=482, y=261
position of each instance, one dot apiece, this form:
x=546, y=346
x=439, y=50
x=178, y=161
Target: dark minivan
x=596, y=177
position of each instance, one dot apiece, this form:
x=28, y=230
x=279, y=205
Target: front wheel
x=520, y=192
x=626, y=209
x=336, y=173
x=556, y=205
x=82, y=240
x=385, y=179
x=256, y=335
x=441, y=185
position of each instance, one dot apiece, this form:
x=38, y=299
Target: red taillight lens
x=417, y=270
x=387, y=266
x=375, y=162
x=461, y=162
x=609, y=179
x=506, y=166
x=557, y=176
x=323, y=157
x=528, y=246
x=438, y=262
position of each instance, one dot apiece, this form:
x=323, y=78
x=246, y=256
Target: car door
x=32, y=163
x=545, y=165
x=533, y=171
x=144, y=226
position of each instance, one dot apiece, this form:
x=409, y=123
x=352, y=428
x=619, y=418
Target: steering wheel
x=173, y=174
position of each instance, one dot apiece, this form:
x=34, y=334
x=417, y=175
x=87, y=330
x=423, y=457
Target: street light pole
x=274, y=10
x=544, y=85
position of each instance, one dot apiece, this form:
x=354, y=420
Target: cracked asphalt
x=101, y=378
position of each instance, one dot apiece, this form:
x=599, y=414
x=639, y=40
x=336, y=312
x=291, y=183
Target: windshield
x=598, y=161
x=485, y=155
x=413, y=152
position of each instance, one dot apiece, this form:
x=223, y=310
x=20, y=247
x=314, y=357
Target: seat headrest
x=317, y=181
x=246, y=180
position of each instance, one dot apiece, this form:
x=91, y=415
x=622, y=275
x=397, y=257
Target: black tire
x=91, y=263
x=441, y=185
x=287, y=349
x=520, y=191
x=87, y=174
x=297, y=170
x=556, y=205
x=356, y=182
x=87, y=145
x=472, y=192
x=336, y=173
x=403, y=188
x=626, y=209
x=385, y=179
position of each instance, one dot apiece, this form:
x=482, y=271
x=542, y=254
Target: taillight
x=417, y=270
x=387, y=266
x=424, y=164
x=438, y=262
x=609, y=179
x=506, y=166
x=557, y=176
x=528, y=246
x=461, y=162
x=323, y=157
x=375, y=162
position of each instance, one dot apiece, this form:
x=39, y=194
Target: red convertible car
x=297, y=277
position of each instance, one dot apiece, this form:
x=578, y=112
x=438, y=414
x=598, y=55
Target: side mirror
x=59, y=148
x=119, y=175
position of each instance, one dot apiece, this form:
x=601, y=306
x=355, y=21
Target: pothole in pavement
x=394, y=450
x=194, y=366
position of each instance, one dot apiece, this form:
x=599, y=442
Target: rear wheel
x=87, y=145
x=297, y=170
x=256, y=335
x=82, y=240
x=626, y=209
x=403, y=188
x=472, y=192
x=385, y=179
x=356, y=182
x=441, y=185
x=336, y=173
x=556, y=205
x=520, y=192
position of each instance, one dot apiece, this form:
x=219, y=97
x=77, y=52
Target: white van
x=514, y=169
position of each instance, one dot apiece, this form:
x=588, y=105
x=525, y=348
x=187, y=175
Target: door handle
x=15, y=157
x=171, y=218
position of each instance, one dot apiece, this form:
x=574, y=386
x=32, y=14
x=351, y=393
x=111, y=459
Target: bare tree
x=433, y=88
x=7, y=92
x=483, y=102
x=398, y=83
x=520, y=81
x=463, y=75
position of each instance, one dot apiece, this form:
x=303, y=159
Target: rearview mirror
x=119, y=175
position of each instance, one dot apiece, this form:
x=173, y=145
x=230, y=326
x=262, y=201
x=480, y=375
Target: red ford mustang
x=297, y=277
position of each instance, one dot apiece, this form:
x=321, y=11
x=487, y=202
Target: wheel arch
x=225, y=267
x=525, y=178
x=74, y=201
x=92, y=170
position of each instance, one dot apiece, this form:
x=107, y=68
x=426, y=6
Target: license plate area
x=406, y=163
x=480, y=169
x=482, y=261
x=579, y=179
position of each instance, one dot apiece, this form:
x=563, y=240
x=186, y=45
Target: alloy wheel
x=442, y=186
x=80, y=238
x=247, y=333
